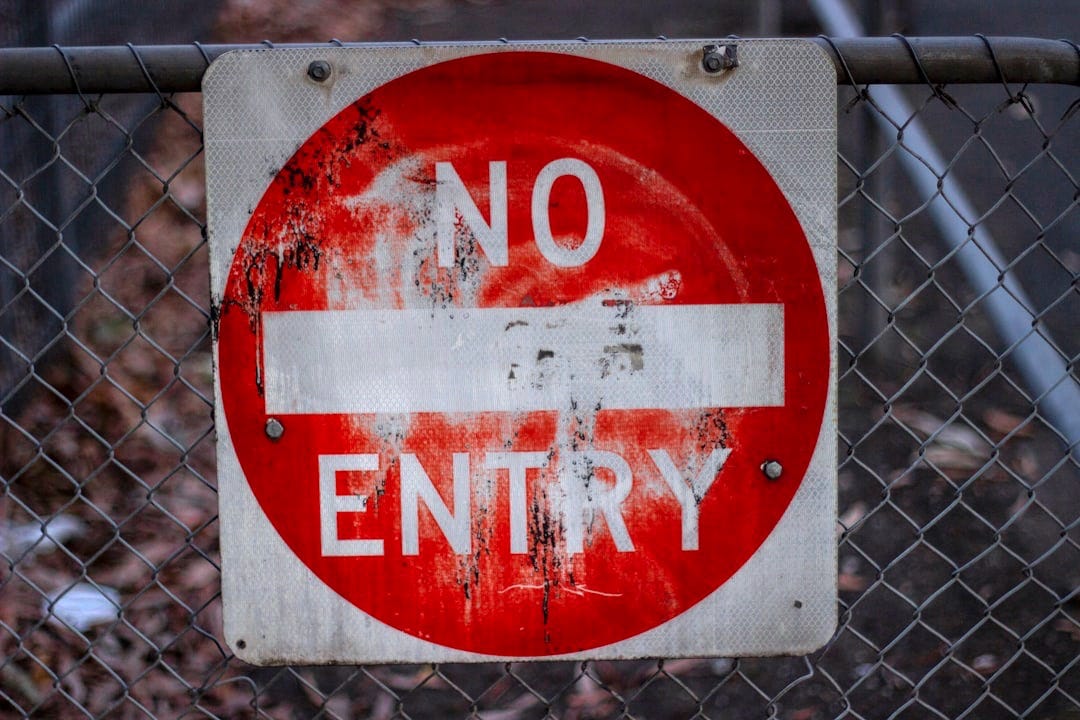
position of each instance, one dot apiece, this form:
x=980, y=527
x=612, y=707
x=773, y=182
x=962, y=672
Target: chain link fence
x=958, y=530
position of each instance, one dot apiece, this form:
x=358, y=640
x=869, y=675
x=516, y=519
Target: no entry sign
x=524, y=351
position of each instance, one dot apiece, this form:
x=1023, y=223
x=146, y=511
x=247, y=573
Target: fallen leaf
x=1005, y=423
x=35, y=537
x=512, y=711
x=849, y=582
x=854, y=513
x=954, y=444
x=1066, y=625
x=985, y=664
x=82, y=606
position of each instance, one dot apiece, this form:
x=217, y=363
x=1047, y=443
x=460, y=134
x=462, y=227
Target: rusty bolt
x=772, y=469
x=274, y=429
x=715, y=58
x=318, y=70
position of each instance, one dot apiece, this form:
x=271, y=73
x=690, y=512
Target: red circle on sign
x=691, y=218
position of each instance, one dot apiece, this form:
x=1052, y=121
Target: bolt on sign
x=524, y=350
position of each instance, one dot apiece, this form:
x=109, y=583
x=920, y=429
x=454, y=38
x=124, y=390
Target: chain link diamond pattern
x=959, y=527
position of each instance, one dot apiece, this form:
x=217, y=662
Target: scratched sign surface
x=524, y=351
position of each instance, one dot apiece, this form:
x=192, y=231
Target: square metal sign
x=524, y=350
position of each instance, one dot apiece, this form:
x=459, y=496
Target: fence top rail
x=876, y=60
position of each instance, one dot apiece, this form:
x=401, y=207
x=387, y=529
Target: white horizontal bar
x=618, y=356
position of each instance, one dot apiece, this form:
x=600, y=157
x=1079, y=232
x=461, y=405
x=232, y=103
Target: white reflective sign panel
x=524, y=351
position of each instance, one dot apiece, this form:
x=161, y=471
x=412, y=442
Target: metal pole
x=1056, y=391
x=179, y=68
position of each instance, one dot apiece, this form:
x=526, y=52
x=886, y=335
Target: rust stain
x=545, y=556
x=631, y=352
x=711, y=431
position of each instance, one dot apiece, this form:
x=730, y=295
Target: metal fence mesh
x=958, y=528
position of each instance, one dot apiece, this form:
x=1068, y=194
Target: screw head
x=715, y=58
x=274, y=429
x=318, y=70
x=772, y=469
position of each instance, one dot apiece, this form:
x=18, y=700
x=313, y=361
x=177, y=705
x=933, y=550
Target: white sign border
x=781, y=102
